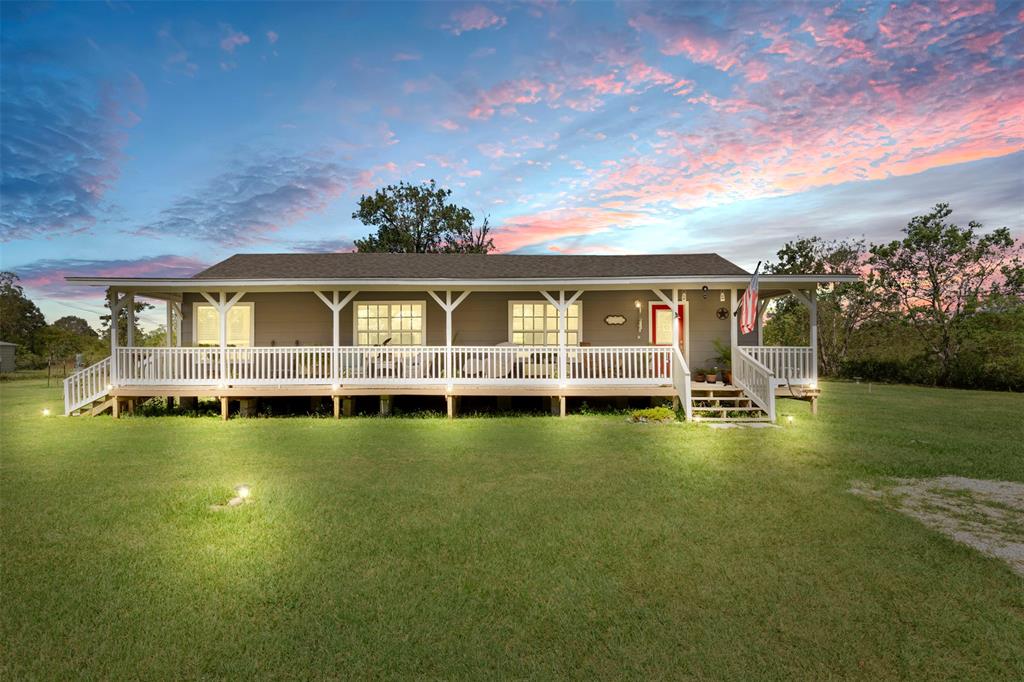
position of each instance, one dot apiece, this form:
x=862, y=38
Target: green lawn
x=531, y=547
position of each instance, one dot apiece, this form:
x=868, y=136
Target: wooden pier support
x=336, y=399
x=385, y=406
x=223, y=408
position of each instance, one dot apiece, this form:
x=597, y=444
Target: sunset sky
x=154, y=139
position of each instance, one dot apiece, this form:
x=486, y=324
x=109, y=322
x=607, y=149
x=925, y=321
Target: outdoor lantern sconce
x=721, y=297
x=704, y=291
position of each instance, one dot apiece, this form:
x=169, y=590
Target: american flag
x=748, y=305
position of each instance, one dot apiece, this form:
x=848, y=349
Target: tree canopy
x=20, y=318
x=941, y=272
x=419, y=219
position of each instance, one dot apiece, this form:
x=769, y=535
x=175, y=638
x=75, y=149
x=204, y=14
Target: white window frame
x=195, y=322
x=686, y=325
x=355, y=317
x=579, y=332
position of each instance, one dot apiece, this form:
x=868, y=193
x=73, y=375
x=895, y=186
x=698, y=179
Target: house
x=341, y=325
x=7, y=354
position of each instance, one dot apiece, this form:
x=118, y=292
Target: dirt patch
x=986, y=515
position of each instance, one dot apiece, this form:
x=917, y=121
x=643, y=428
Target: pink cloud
x=522, y=231
x=475, y=18
x=272, y=37
x=449, y=125
x=506, y=96
x=232, y=39
x=683, y=38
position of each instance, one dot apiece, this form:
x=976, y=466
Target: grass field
x=506, y=547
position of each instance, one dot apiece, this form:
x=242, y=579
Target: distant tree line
x=55, y=346
x=943, y=305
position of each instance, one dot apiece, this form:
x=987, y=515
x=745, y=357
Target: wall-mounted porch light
x=704, y=291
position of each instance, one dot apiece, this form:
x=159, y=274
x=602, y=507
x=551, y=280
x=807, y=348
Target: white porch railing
x=619, y=365
x=755, y=379
x=380, y=365
x=394, y=365
x=86, y=385
x=795, y=364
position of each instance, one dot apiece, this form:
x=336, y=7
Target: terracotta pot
x=699, y=377
x=727, y=377
x=712, y=378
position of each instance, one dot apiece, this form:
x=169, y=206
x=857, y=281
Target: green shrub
x=652, y=414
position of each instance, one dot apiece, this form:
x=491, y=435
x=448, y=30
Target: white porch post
x=115, y=310
x=223, y=305
x=562, y=306
x=177, y=324
x=812, y=296
x=130, y=341
x=168, y=324
x=761, y=307
x=561, y=336
x=733, y=321
x=448, y=306
x=448, y=335
x=222, y=317
x=336, y=304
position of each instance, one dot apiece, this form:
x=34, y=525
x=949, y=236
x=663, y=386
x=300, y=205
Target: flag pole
x=739, y=304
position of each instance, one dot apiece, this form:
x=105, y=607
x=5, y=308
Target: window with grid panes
x=402, y=322
x=536, y=324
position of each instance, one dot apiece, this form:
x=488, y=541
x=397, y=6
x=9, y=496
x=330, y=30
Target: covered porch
x=650, y=361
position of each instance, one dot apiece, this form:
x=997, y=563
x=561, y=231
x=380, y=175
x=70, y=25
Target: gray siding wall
x=287, y=319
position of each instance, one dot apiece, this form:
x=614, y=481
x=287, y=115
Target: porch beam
x=666, y=300
x=336, y=303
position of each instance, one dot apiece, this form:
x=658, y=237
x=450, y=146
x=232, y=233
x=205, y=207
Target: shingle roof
x=463, y=266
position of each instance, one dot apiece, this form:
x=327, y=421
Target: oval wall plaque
x=615, y=320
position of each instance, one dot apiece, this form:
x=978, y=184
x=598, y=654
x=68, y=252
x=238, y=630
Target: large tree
x=939, y=274
x=419, y=219
x=20, y=318
x=76, y=325
x=842, y=308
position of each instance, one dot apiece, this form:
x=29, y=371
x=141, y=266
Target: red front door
x=661, y=325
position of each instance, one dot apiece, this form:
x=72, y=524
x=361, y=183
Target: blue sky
x=156, y=138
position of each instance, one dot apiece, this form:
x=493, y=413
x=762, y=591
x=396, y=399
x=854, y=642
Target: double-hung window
x=206, y=325
x=536, y=324
x=400, y=321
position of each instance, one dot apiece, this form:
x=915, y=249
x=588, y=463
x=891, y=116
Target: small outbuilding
x=7, y=356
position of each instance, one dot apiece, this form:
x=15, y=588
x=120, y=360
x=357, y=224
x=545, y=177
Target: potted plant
x=713, y=376
x=699, y=375
x=724, y=359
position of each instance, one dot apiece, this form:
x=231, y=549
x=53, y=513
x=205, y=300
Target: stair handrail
x=755, y=378
x=681, y=380
x=86, y=385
